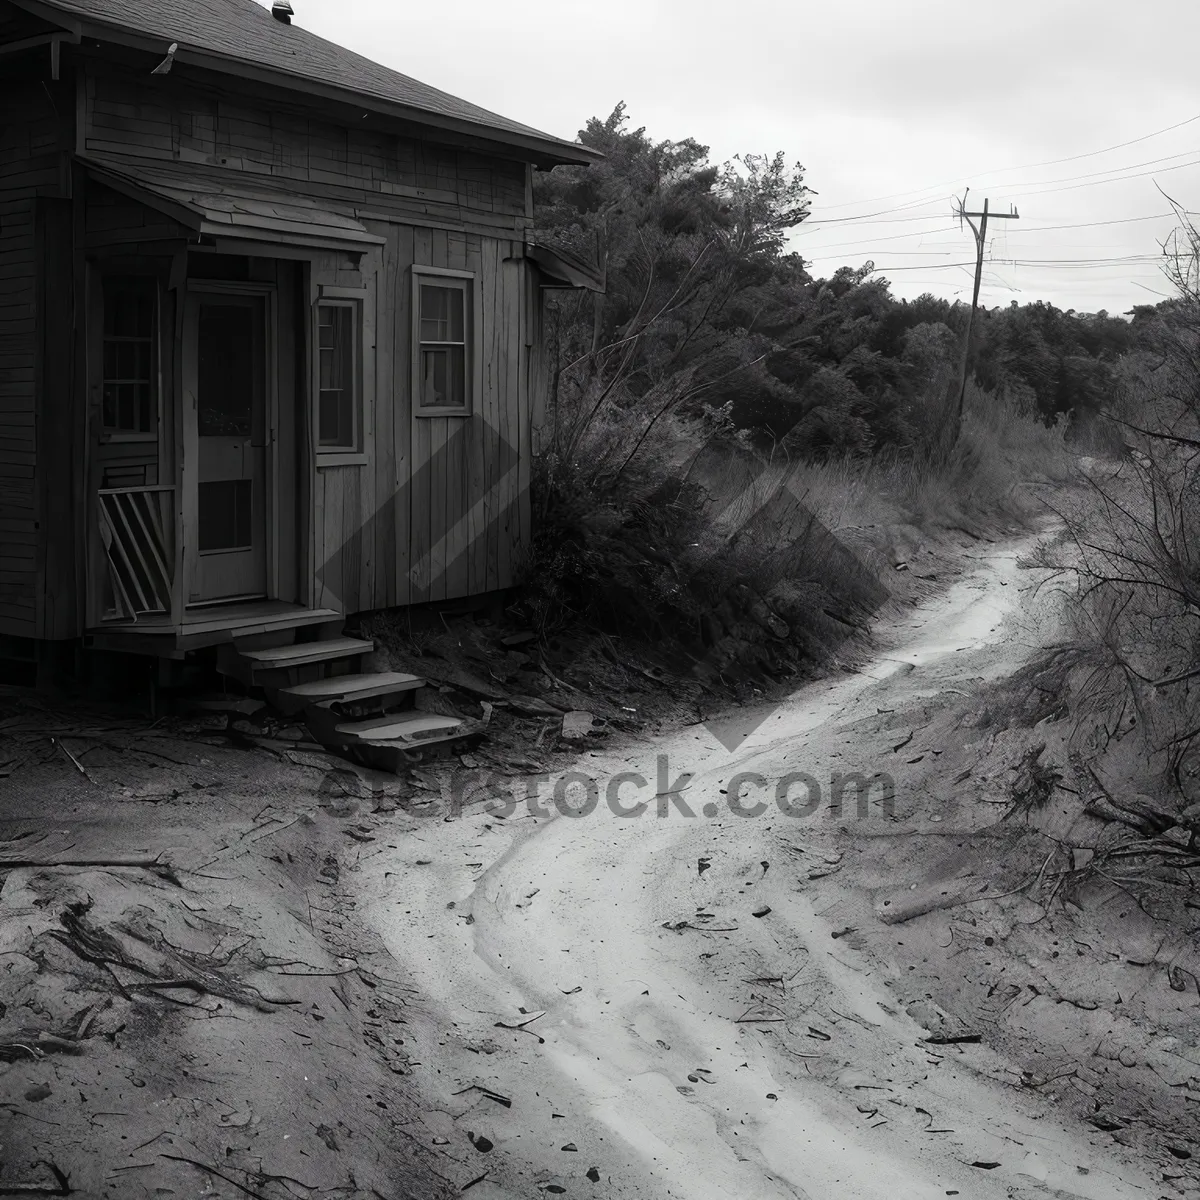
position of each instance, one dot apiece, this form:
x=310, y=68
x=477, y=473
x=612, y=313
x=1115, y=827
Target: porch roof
x=233, y=208
x=562, y=269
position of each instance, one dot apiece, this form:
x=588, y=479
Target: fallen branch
x=62, y=1185
x=241, y=1187
x=162, y=869
x=487, y=1092
x=74, y=761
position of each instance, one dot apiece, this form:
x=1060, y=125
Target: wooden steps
x=364, y=715
x=302, y=653
x=408, y=728
x=345, y=689
x=284, y=665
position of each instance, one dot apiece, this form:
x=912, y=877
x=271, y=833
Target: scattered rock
x=523, y=638
x=579, y=725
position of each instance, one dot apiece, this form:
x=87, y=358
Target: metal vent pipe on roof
x=282, y=10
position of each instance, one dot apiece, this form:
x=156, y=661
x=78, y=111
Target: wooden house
x=269, y=329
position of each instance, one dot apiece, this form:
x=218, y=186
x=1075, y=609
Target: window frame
x=472, y=345
x=353, y=299
x=114, y=433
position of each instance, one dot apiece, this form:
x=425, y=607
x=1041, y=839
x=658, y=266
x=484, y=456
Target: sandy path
x=735, y=1056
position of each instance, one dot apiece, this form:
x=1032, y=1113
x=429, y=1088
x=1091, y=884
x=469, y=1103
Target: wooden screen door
x=225, y=405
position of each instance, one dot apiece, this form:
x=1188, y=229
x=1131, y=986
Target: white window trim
x=474, y=342
x=356, y=454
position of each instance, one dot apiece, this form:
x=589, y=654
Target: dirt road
x=664, y=1005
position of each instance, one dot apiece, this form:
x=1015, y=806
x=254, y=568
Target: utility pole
x=980, y=232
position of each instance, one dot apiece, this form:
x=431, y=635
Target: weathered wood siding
x=440, y=511
x=31, y=166
x=437, y=508
x=18, y=506
x=172, y=119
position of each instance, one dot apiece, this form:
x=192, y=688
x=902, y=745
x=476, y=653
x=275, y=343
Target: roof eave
x=565, y=269
x=541, y=151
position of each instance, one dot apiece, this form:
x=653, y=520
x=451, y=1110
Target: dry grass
x=659, y=543
x=991, y=478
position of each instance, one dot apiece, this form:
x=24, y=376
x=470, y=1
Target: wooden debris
x=241, y=1187
x=506, y=1101
x=74, y=761
x=62, y=1184
x=162, y=869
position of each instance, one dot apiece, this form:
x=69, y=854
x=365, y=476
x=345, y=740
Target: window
x=443, y=361
x=130, y=397
x=337, y=376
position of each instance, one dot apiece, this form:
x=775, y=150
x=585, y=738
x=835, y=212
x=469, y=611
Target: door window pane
x=226, y=515
x=227, y=370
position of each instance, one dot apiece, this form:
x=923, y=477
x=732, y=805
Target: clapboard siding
x=170, y=119
x=114, y=220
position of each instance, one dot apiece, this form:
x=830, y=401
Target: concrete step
x=347, y=689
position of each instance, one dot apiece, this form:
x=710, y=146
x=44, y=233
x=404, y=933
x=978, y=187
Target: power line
x=1044, y=264
x=916, y=233
x=1024, y=167
x=1150, y=162
x=1022, y=190
x=866, y=219
x=1098, y=182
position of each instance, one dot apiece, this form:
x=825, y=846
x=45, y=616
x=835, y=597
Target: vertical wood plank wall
x=30, y=167
x=440, y=509
x=435, y=511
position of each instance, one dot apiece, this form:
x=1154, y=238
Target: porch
x=217, y=374
x=254, y=621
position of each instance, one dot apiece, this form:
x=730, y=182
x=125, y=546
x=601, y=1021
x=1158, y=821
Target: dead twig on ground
x=62, y=1185
x=162, y=869
x=195, y=1162
x=74, y=761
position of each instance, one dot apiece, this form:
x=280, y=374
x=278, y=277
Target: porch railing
x=137, y=527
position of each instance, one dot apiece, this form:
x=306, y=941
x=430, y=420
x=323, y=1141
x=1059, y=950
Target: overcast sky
x=912, y=101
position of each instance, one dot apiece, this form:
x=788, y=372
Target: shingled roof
x=241, y=37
